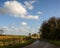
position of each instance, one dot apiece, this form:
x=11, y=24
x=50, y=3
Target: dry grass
x=8, y=39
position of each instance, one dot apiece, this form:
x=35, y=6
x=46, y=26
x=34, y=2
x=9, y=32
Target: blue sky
x=20, y=17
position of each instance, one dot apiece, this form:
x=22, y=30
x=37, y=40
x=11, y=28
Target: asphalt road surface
x=41, y=44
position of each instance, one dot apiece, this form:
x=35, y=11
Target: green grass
x=52, y=42
x=27, y=42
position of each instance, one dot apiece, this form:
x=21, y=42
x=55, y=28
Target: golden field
x=10, y=36
x=10, y=39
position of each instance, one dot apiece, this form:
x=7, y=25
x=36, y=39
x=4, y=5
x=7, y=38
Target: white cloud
x=32, y=1
x=39, y=12
x=31, y=17
x=16, y=9
x=28, y=5
x=24, y=23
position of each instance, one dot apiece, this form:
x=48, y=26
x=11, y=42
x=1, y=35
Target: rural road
x=41, y=44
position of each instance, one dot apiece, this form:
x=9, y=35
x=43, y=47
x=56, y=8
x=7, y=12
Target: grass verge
x=52, y=42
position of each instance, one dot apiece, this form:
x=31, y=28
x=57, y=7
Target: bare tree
x=1, y=31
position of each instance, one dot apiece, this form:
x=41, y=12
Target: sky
x=21, y=17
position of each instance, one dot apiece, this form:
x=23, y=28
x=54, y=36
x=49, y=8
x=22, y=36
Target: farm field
x=11, y=36
x=6, y=40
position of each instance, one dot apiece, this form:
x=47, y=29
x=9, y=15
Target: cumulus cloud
x=31, y=17
x=39, y=12
x=17, y=10
x=28, y=5
x=24, y=23
x=32, y=1
x=15, y=7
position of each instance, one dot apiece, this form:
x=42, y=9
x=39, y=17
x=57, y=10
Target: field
x=10, y=36
x=10, y=40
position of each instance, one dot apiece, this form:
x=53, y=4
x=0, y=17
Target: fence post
x=13, y=40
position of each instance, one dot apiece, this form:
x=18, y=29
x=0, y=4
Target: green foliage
x=53, y=42
x=27, y=43
x=51, y=29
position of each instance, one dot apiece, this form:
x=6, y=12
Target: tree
x=29, y=36
x=39, y=33
x=51, y=29
x=34, y=35
x=1, y=31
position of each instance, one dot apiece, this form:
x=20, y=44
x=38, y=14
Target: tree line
x=51, y=29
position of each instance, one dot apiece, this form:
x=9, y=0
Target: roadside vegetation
x=54, y=42
x=57, y=43
x=10, y=41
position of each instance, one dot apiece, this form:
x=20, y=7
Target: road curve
x=41, y=44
